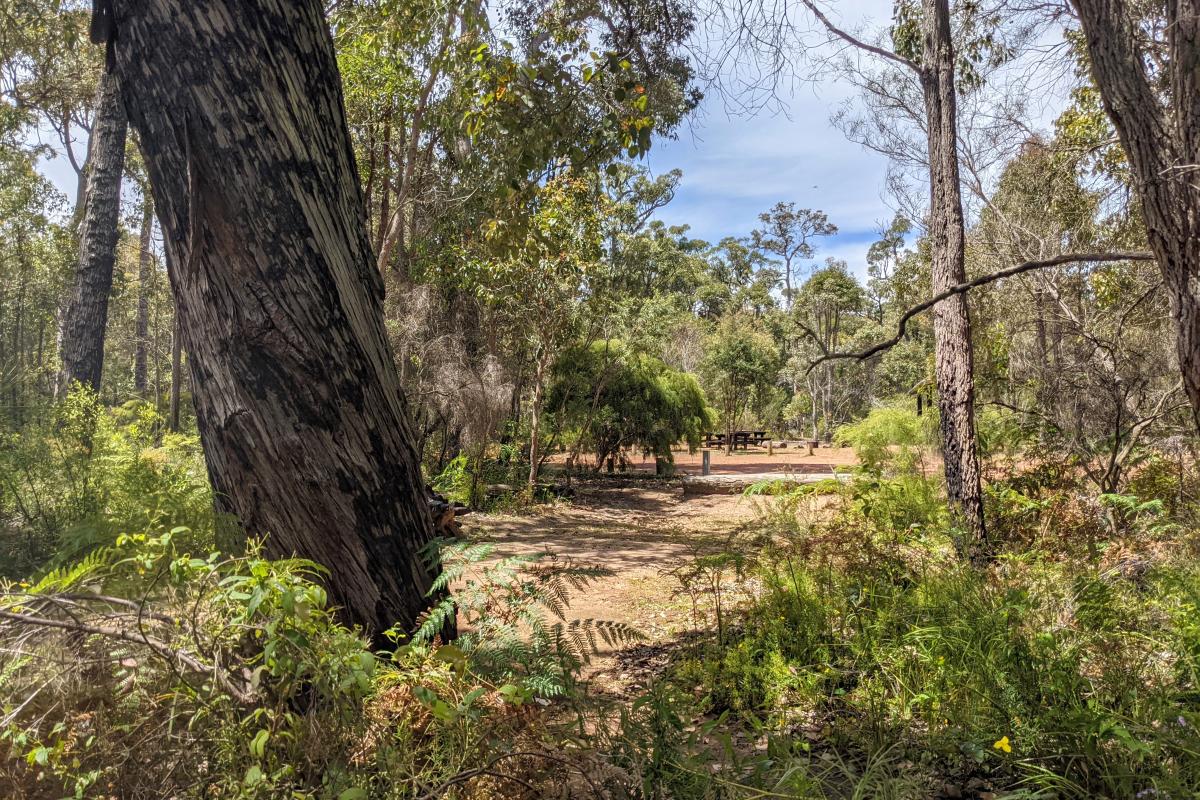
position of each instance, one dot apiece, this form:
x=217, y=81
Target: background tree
x=86, y=317
x=788, y=233
x=740, y=366
x=1156, y=115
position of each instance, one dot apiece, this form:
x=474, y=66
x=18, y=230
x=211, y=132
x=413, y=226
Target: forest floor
x=640, y=530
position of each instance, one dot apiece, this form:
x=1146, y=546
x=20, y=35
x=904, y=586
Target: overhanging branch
x=962, y=288
x=859, y=43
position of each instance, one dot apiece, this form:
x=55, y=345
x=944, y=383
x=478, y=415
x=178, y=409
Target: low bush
x=1055, y=677
x=89, y=473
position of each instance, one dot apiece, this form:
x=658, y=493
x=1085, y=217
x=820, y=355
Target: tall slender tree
x=86, y=316
x=142, y=320
x=934, y=63
x=789, y=233
x=238, y=109
x=953, y=360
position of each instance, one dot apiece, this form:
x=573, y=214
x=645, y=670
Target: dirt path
x=638, y=531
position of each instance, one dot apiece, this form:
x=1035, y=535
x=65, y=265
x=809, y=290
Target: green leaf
x=254, y=776
x=258, y=745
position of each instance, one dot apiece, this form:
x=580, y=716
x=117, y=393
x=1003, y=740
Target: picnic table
x=742, y=438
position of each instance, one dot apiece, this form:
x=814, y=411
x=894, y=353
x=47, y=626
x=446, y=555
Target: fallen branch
x=174, y=657
x=962, y=288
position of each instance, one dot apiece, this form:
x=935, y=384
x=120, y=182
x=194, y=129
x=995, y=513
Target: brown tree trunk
x=1163, y=147
x=238, y=108
x=142, y=322
x=82, y=343
x=951, y=321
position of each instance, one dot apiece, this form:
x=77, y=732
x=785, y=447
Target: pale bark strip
x=238, y=108
x=86, y=315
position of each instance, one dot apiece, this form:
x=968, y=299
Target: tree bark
x=951, y=320
x=82, y=342
x=238, y=108
x=142, y=322
x=1162, y=143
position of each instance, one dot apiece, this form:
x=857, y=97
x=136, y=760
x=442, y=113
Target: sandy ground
x=640, y=532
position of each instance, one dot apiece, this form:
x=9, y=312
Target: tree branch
x=962, y=288
x=859, y=43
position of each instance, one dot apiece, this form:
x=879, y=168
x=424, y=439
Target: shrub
x=1058, y=676
x=887, y=440
x=86, y=474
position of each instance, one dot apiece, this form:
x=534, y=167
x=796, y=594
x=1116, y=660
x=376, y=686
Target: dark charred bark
x=238, y=108
x=951, y=320
x=86, y=316
x=1161, y=138
x=142, y=321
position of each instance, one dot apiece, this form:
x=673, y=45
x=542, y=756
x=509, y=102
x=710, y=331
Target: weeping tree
x=238, y=109
x=614, y=398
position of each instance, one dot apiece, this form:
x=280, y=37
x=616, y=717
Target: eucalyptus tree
x=828, y=307
x=459, y=119
x=883, y=260
x=81, y=342
x=1143, y=61
x=37, y=256
x=740, y=278
x=924, y=47
x=239, y=113
x=740, y=366
x=788, y=233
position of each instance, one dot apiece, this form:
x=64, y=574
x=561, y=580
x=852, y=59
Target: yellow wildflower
x=1003, y=744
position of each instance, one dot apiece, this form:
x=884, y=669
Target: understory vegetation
x=841, y=649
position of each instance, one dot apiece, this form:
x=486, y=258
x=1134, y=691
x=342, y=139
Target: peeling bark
x=238, y=108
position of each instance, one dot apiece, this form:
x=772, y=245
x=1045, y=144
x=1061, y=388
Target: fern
x=91, y=567
x=514, y=614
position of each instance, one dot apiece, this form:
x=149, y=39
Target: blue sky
x=735, y=167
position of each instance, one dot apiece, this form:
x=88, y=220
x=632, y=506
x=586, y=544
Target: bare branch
x=859, y=43
x=962, y=288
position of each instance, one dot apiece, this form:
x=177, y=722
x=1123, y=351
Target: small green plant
x=514, y=614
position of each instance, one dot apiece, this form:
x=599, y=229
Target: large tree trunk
x=82, y=342
x=141, y=326
x=951, y=321
x=1163, y=147
x=238, y=108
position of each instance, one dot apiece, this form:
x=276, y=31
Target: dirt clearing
x=640, y=531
